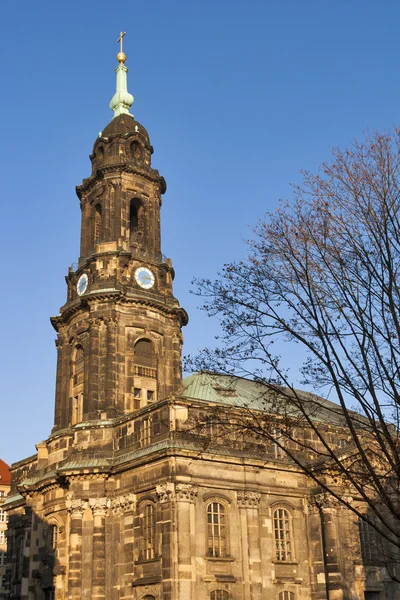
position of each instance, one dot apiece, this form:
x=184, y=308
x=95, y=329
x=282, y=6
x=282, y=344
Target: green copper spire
x=122, y=100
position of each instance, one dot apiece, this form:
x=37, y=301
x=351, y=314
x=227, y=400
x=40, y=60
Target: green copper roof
x=245, y=393
x=122, y=99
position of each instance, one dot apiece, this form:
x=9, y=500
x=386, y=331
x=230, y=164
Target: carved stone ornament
x=99, y=505
x=165, y=491
x=183, y=492
x=326, y=501
x=186, y=492
x=76, y=507
x=124, y=503
x=248, y=499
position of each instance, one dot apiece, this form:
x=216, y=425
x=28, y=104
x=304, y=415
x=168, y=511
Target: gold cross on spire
x=121, y=35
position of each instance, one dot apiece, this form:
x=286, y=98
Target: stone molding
x=247, y=499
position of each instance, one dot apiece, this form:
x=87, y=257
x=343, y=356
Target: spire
x=122, y=100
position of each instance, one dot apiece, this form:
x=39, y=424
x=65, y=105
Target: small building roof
x=5, y=475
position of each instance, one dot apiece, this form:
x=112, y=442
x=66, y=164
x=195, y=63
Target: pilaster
x=249, y=504
x=76, y=508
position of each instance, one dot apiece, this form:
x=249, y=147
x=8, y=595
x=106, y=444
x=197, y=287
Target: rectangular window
x=137, y=392
x=148, y=532
x=277, y=449
x=371, y=544
x=3, y=516
x=150, y=396
x=145, y=432
x=282, y=532
x=216, y=525
x=2, y=537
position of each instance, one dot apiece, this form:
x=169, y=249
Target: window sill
x=145, y=561
x=284, y=562
x=220, y=558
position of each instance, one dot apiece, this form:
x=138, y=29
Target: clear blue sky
x=237, y=96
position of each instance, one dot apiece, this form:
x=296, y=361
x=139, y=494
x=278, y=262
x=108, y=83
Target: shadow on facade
x=31, y=578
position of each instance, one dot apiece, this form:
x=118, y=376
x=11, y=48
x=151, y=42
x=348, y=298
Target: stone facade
x=120, y=502
x=5, y=480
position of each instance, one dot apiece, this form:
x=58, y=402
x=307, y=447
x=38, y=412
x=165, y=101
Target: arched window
x=216, y=530
x=98, y=222
x=145, y=359
x=136, y=150
x=77, y=385
x=283, y=535
x=53, y=537
x=286, y=596
x=148, y=531
x=135, y=219
x=219, y=595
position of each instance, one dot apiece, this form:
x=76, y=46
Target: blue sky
x=237, y=96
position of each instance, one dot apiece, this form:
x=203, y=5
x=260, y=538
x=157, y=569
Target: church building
x=122, y=501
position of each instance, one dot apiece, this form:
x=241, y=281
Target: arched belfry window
x=136, y=150
x=145, y=359
x=135, y=219
x=77, y=384
x=98, y=222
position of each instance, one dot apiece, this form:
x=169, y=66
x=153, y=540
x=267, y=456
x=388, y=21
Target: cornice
x=151, y=175
x=70, y=310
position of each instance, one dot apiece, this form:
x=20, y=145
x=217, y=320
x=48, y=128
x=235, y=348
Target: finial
x=121, y=56
x=122, y=100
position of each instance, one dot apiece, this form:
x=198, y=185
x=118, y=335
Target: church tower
x=119, y=333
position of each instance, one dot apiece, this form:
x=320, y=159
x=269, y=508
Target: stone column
x=91, y=399
x=76, y=509
x=318, y=574
x=327, y=507
x=110, y=365
x=169, y=549
x=179, y=542
x=185, y=497
x=123, y=509
x=99, y=508
x=249, y=504
x=60, y=401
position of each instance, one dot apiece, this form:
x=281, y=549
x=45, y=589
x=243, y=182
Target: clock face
x=144, y=278
x=82, y=284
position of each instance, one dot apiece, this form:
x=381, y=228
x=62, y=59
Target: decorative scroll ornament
x=76, y=507
x=165, y=491
x=99, y=505
x=248, y=499
x=123, y=504
x=186, y=492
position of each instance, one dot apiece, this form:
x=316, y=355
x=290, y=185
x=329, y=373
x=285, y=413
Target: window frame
x=282, y=526
x=148, y=530
x=217, y=546
x=223, y=595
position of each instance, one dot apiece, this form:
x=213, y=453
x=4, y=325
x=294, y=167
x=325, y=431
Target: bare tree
x=322, y=275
